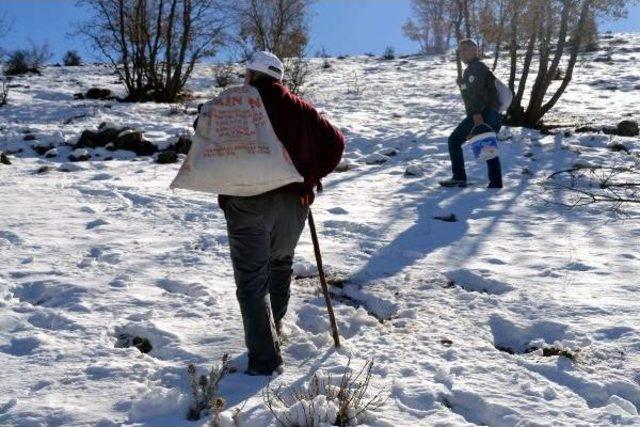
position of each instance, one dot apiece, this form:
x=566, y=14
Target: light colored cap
x=267, y=63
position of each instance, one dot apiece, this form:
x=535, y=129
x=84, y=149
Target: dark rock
x=78, y=96
x=142, y=344
x=71, y=119
x=182, y=146
x=133, y=140
x=97, y=93
x=167, y=157
x=42, y=149
x=92, y=139
x=29, y=137
x=43, y=169
x=447, y=218
x=126, y=340
x=446, y=342
x=628, y=128
x=4, y=159
x=79, y=156
x=608, y=130
x=51, y=153
x=617, y=147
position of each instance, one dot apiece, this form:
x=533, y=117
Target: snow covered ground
x=449, y=311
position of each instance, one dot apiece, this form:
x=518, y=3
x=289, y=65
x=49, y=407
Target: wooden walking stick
x=323, y=281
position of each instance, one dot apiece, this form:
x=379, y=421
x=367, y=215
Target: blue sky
x=341, y=26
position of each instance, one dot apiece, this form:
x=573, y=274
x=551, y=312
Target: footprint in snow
x=50, y=293
x=338, y=211
x=101, y=254
x=178, y=287
x=101, y=177
x=520, y=339
x=52, y=321
x=21, y=346
x=96, y=223
x=8, y=238
x=475, y=282
x=334, y=227
x=152, y=340
x=578, y=266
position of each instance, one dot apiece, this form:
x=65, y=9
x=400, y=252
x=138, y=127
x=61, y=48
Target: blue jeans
x=459, y=137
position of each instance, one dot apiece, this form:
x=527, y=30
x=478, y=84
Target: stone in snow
x=414, y=170
x=51, y=153
x=376, y=159
x=79, y=155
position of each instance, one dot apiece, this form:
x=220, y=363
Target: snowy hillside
x=521, y=312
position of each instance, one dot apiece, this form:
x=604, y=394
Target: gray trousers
x=263, y=233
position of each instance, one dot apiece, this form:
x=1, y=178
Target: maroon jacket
x=314, y=144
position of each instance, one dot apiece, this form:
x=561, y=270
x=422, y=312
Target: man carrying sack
x=482, y=103
x=263, y=150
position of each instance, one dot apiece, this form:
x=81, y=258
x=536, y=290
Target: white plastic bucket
x=484, y=146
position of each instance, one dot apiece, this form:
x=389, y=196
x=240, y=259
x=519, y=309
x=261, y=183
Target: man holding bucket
x=482, y=105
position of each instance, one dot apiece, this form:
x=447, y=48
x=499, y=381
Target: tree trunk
x=503, y=16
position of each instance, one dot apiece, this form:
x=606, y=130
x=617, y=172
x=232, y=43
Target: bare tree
x=556, y=32
x=280, y=27
x=154, y=45
x=430, y=25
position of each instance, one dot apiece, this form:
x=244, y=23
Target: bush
x=24, y=61
x=296, y=73
x=204, y=390
x=72, y=59
x=324, y=401
x=4, y=92
x=223, y=74
x=389, y=53
x=326, y=64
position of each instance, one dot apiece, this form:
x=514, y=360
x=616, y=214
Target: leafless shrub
x=326, y=64
x=389, y=53
x=25, y=61
x=72, y=59
x=296, y=73
x=344, y=402
x=587, y=185
x=224, y=74
x=355, y=85
x=4, y=92
x=205, y=393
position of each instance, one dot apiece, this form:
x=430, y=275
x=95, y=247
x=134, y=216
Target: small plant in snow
x=326, y=64
x=389, y=53
x=355, y=85
x=25, y=61
x=4, y=92
x=72, y=59
x=326, y=401
x=205, y=393
x=224, y=74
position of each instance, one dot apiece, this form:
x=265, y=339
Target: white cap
x=267, y=63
